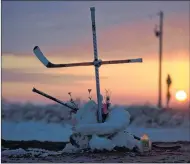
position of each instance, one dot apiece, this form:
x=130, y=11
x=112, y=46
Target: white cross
x=97, y=62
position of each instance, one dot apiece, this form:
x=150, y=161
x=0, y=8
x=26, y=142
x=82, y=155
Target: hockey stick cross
x=96, y=63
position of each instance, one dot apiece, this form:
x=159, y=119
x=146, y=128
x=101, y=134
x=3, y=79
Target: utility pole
x=159, y=34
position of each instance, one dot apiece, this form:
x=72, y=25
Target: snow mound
x=111, y=125
x=101, y=143
x=87, y=113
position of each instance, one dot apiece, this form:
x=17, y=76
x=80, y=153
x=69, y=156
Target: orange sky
x=129, y=83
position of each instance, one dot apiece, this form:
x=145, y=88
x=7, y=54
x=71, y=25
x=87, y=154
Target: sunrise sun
x=181, y=95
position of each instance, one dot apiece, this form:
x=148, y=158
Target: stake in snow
x=90, y=120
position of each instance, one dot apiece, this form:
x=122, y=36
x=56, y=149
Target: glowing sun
x=181, y=95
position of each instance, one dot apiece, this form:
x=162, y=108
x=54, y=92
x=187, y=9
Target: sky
x=62, y=30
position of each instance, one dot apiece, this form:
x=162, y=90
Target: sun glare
x=181, y=95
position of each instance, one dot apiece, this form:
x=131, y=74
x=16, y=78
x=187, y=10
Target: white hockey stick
x=49, y=64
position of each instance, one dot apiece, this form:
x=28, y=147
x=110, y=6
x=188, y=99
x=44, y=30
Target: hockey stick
x=55, y=99
x=49, y=64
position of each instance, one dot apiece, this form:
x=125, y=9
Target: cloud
x=64, y=28
x=127, y=40
x=135, y=39
x=12, y=75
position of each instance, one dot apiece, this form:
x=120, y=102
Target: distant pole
x=159, y=34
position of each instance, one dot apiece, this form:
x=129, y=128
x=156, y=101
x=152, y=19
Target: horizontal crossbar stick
x=55, y=99
x=139, y=60
x=49, y=64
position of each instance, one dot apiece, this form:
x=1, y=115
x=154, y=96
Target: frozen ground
x=155, y=156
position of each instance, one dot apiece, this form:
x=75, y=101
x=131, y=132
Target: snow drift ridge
x=141, y=116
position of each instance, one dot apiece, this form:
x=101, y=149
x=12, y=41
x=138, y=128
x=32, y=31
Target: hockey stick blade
x=48, y=64
x=41, y=57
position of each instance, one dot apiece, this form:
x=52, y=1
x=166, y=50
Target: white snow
x=87, y=113
x=124, y=139
x=35, y=131
x=13, y=152
x=162, y=134
x=101, y=143
x=118, y=120
x=30, y=152
x=55, y=132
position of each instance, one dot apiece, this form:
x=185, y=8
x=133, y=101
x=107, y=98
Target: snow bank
x=35, y=131
x=52, y=113
x=13, y=152
x=148, y=116
x=55, y=132
x=162, y=134
x=48, y=123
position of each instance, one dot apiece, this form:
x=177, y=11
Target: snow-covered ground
x=56, y=132
x=31, y=152
x=51, y=123
x=35, y=131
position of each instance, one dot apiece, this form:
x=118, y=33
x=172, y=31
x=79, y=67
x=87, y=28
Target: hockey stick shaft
x=54, y=99
x=92, y=9
x=70, y=65
x=139, y=60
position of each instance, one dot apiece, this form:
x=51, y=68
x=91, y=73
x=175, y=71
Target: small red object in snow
x=105, y=110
